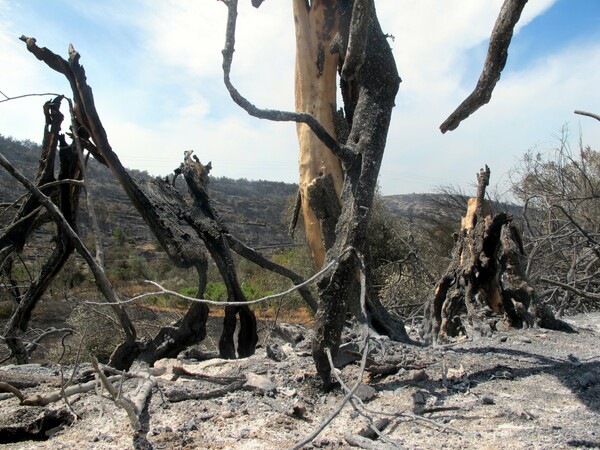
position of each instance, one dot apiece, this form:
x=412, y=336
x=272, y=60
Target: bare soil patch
x=518, y=389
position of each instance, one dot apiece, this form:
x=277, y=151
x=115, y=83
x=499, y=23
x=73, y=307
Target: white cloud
x=528, y=107
x=184, y=35
x=238, y=146
x=159, y=90
x=189, y=36
x=431, y=37
x=182, y=46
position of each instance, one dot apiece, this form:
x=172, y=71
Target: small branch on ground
x=118, y=398
x=179, y=395
x=6, y=387
x=182, y=372
x=46, y=399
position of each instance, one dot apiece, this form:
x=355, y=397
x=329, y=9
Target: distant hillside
x=438, y=207
x=253, y=210
x=417, y=207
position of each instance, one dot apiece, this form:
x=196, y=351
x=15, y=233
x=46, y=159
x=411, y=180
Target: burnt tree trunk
x=369, y=89
x=485, y=280
x=210, y=228
x=30, y=216
x=185, y=250
x=338, y=215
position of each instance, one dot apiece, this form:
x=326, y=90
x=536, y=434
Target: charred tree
x=31, y=216
x=159, y=204
x=369, y=80
x=183, y=230
x=559, y=191
x=343, y=36
x=63, y=216
x=208, y=225
x=485, y=284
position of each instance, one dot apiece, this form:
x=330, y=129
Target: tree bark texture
x=485, y=278
x=370, y=96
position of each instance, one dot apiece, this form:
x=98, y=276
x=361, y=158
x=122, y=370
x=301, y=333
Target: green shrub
x=253, y=292
x=216, y=290
x=189, y=291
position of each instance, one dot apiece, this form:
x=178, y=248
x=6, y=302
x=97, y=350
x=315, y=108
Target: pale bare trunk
x=316, y=72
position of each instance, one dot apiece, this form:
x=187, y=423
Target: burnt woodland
x=382, y=280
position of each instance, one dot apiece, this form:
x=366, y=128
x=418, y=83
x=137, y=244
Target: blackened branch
x=493, y=66
x=588, y=114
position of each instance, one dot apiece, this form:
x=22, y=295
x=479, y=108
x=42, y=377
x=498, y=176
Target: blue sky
x=155, y=68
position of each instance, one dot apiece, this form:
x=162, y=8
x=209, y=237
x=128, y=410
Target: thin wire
x=164, y=291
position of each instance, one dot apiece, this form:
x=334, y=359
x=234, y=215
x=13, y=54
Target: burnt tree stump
x=485, y=284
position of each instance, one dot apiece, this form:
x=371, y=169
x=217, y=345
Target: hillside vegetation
x=252, y=209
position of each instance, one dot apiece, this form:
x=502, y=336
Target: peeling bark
x=316, y=72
